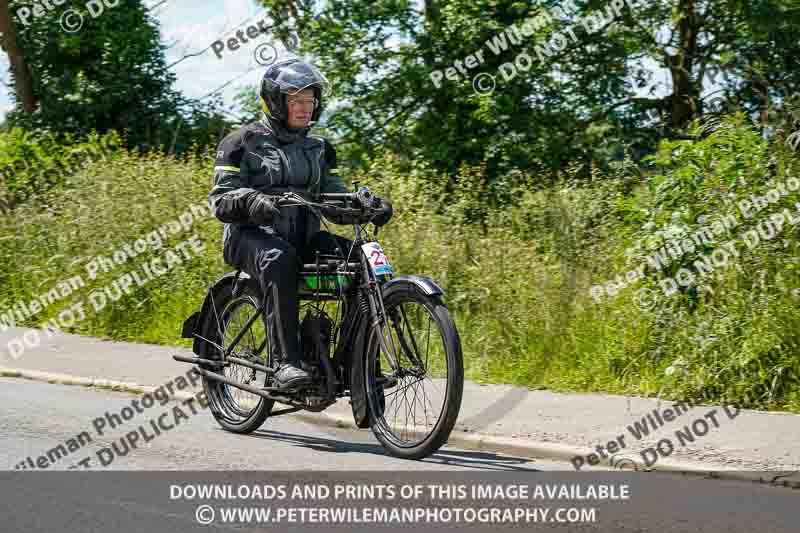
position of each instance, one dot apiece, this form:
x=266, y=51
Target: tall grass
x=518, y=282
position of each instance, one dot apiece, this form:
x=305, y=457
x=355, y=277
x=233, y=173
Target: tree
x=21, y=76
x=109, y=75
x=578, y=95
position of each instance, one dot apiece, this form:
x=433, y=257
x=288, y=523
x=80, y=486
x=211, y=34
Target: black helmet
x=291, y=76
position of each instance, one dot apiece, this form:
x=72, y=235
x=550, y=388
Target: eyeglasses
x=307, y=103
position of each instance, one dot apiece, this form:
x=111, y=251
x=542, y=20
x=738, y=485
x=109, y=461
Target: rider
x=269, y=157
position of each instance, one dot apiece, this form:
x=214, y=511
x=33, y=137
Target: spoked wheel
x=234, y=409
x=414, y=406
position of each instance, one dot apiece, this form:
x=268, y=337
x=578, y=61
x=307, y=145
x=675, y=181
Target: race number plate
x=377, y=259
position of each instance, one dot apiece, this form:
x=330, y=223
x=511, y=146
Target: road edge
x=488, y=443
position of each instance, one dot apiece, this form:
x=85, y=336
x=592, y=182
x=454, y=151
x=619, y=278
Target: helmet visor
x=295, y=77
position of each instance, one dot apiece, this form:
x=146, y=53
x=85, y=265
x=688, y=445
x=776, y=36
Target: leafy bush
x=33, y=163
x=519, y=278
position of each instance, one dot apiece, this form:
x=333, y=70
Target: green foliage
x=732, y=331
x=518, y=282
x=33, y=163
x=249, y=103
x=111, y=75
x=99, y=209
x=584, y=104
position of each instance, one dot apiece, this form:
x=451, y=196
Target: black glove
x=385, y=215
x=262, y=210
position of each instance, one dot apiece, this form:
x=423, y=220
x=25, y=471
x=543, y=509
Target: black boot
x=289, y=376
x=290, y=373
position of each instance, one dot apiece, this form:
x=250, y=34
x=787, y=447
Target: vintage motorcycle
x=388, y=342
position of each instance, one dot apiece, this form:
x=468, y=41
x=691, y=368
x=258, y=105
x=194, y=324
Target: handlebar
x=366, y=203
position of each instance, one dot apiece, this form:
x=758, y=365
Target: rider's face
x=301, y=108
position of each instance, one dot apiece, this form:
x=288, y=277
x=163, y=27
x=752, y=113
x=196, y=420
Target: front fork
x=377, y=312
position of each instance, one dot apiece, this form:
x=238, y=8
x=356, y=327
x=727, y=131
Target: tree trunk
x=23, y=83
x=762, y=90
x=684, y=92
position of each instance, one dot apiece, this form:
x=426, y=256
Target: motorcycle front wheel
x=414, y=407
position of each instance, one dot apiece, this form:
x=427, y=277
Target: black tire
x=380, y=390
x=231, y=414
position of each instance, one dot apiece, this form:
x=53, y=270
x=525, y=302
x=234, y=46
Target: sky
x=188, y=27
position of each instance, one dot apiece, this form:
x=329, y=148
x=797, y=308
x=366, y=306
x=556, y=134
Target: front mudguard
x=426, y=285
x=203, y=323
x=358, y=390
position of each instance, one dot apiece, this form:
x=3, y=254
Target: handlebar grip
x=367, y=198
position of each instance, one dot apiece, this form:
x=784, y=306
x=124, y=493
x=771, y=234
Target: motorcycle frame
x=376, y=318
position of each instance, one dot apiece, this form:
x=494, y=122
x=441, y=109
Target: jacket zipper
x=310, y=169
x=287, y=167
x=319, y=169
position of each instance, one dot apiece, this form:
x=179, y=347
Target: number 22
x=377, y=255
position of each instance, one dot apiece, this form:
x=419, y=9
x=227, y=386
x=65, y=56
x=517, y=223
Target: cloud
x=189, y=27
x=5, y=108
x=194, y=28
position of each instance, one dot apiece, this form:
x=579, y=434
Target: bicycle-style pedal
x=310, y=388
x=291, y=390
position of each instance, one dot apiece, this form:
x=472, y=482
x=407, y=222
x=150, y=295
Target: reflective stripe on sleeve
x=229, y=169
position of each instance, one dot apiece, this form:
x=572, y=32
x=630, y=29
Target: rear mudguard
x=203, y=322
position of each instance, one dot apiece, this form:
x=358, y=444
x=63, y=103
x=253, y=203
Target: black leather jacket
x=266, y=157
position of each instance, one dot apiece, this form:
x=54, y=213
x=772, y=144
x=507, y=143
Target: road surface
x=38, y=417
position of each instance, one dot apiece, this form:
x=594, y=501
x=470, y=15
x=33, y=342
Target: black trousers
x=274, y=262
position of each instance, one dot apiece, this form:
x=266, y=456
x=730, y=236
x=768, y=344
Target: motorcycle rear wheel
x=236, y=410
